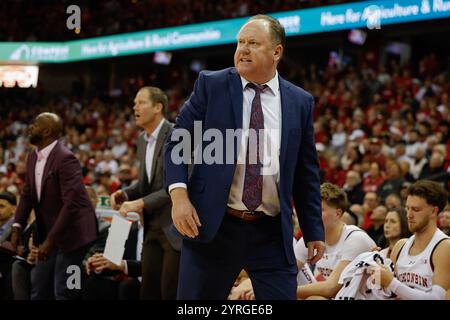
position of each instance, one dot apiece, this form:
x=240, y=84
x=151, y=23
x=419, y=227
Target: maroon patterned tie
x=253, y=181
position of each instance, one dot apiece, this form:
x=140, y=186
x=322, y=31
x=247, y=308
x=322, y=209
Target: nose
x=408, y=213
x=243, y=47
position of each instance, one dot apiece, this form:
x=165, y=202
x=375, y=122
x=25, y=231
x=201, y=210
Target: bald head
x=46, y=128
x=53, y=122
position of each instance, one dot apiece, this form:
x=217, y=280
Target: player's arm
x=441, y=278
x=327, y=289
x=441, y=262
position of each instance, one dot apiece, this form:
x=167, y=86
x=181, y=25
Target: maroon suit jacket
x=64, y=213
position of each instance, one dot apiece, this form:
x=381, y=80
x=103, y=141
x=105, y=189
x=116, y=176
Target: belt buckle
x=247, y=212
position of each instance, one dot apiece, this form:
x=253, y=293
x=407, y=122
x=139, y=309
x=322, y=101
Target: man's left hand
x=45, y=250
x=131, y=206
x=386, y=276
x=315, y=251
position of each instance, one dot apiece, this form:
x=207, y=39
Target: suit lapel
x=237, y=96
x=287, y=118
x=32, y=169
x=48, y=166
x=158, y=147
x=142, y=158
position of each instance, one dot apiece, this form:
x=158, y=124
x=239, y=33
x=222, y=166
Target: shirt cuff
x=177, y=185
x=393, y=286
x=125, y=267
x=18, y=225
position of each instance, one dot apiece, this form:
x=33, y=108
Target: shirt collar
x=46, y=151
x=155, y=132
x=273, y=84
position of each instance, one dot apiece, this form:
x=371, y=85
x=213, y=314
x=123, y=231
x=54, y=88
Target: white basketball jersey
x=415, y=271
x=333, y=254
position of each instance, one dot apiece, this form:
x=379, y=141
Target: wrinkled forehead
x=143, y=95
x=46, y=118
x=255, y=28
x=40, y=119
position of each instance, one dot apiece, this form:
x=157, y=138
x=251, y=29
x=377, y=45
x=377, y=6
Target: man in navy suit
x=233, y=214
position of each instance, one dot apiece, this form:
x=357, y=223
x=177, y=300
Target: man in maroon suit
x=65, y=217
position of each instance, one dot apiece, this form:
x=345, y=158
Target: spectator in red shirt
x=374, y=179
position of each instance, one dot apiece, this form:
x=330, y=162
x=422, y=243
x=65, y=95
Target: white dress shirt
x=271, y=106
x=150, y=150
x=40, y=165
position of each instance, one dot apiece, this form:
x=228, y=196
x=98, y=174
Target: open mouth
x=245, y=60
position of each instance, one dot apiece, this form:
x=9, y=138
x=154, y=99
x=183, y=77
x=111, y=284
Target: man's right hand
x=16, y=237
x=315, y=251
x=117, y=198
x=184, y=215
x=33, y=255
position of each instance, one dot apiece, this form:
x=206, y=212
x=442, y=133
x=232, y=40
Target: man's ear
x=47, y=132
x=436, y=211
x=159, y=107
x=339, y=213
x=278, y=53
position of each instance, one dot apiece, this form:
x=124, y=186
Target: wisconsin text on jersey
x=413, y=278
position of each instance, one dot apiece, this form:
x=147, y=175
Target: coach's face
x=257, y=56
x=145, y=111
x=37, y=130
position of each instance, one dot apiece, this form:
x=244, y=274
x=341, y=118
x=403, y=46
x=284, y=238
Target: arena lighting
x=357, y=36
x=363, y=14
x=162, y=57
x=18, y=76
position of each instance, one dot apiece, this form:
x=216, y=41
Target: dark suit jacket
x=157, y=204
x=217, y=101
x=64, y=213
x=134, y=264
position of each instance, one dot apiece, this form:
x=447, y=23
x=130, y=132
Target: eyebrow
x=413, y=207
x=248, y=38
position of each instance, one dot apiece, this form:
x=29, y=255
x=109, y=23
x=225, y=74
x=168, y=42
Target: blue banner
x=364, y=14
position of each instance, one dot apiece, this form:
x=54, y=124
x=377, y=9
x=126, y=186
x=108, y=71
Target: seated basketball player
x=343, y=243
x=422, y=262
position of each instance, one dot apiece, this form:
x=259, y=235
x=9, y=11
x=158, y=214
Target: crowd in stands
x=20, y=20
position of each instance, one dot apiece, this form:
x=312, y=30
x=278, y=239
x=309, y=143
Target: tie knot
x=257, y=87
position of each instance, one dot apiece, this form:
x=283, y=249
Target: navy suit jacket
x=217, y=101
x=64, y=213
